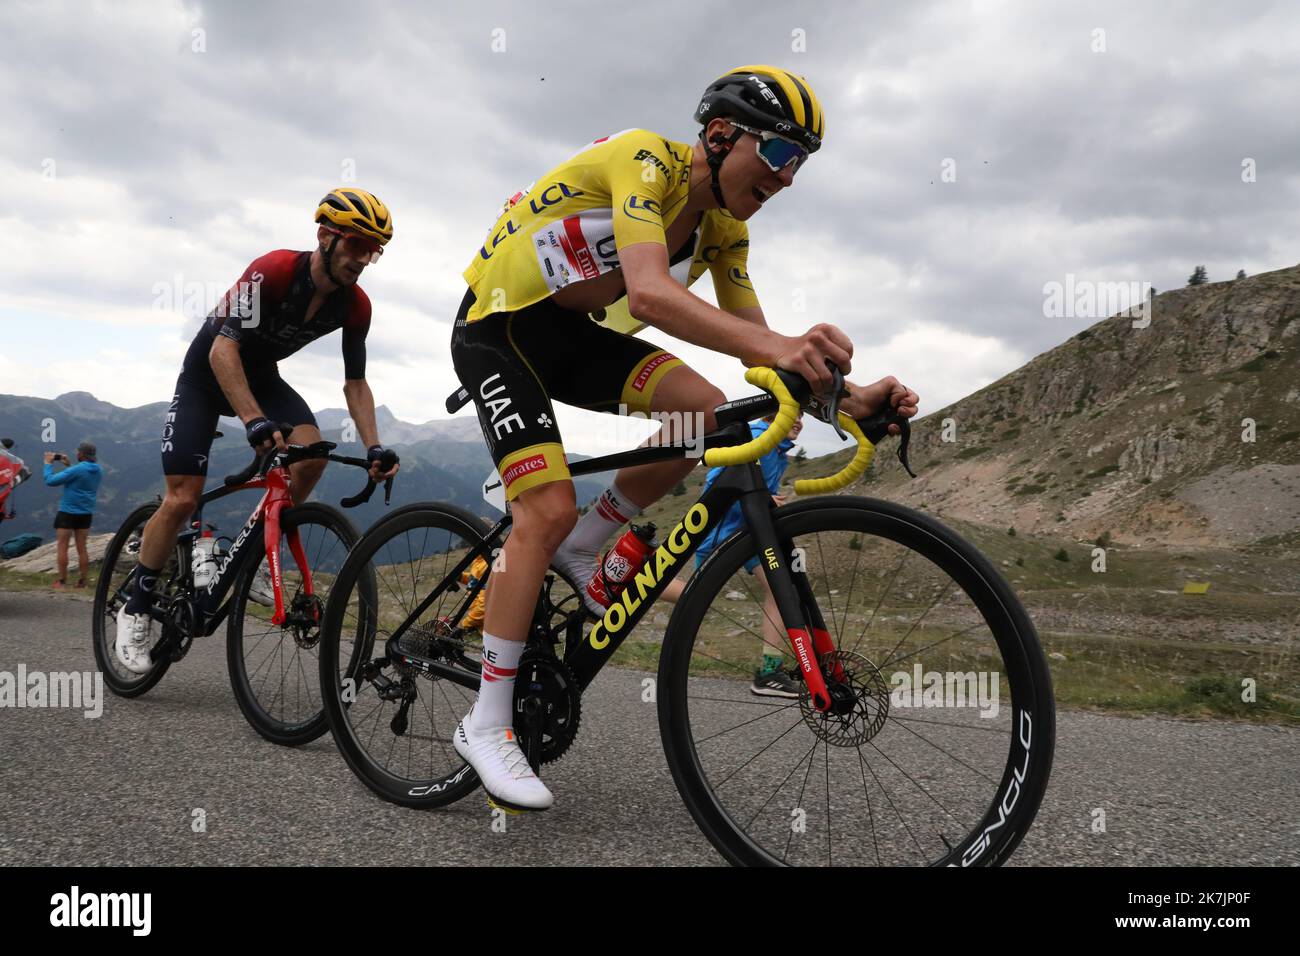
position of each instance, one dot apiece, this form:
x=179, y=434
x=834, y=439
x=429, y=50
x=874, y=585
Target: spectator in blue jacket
x=77, y=506
x=772, y=678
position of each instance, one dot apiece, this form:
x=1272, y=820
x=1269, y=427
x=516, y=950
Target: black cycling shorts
x=75, y=522
x=514, y=363
x=191, y=420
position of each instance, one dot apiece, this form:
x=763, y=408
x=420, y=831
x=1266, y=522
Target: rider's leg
x=543, y=517
x=178, y=504
x=304, y=474
x=685, y=392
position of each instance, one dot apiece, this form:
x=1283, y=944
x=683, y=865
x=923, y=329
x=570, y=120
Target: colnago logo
x=643, y=376
x=650, y=576
x=525, y=467
x=234, y=551
x=1008, y=801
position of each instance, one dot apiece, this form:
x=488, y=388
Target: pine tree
x=1198, y=277
x=1241, y=273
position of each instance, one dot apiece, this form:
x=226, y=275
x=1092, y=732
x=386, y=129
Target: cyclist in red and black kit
x=283, y=301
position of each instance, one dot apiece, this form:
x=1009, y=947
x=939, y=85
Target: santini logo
x=103, y=909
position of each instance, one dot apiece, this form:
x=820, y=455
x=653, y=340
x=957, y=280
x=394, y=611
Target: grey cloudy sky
x=140, y=160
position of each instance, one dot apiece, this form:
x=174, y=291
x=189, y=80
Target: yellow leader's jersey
x=569, y=225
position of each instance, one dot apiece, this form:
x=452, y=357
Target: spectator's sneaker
x=134, y=638
x=777, y=683
x=501, y=765
x=262, y=591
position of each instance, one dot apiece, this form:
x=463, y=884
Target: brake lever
x=876, y=428
x=837, y=392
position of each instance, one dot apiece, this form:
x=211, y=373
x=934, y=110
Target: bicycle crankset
x=177, y=632
x=548, y=706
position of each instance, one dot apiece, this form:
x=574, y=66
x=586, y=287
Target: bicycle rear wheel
x=392, y=721
x=274, y=671
x=111, y=593
x=927, y=762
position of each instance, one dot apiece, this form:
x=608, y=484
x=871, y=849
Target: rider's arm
x=654, y=298
x=361, y=406
x=229, y=370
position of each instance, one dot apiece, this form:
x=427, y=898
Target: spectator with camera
x=77, y=506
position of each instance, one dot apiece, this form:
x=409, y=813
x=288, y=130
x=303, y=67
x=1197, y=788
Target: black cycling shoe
x=777, y=683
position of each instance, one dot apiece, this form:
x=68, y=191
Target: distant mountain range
x=441, y=460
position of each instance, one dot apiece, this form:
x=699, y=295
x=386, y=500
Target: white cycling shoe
x=134, y=638
x=501, y=765
x=261, y=591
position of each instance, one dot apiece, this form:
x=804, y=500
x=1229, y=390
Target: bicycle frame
x=800, y=615
x=208, y=606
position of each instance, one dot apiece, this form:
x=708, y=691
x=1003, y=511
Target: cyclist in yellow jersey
x=616, y=232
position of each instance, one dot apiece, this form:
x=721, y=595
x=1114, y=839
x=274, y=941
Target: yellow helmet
x=358, y=210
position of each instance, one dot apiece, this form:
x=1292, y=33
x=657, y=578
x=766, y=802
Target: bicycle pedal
x=511, y=811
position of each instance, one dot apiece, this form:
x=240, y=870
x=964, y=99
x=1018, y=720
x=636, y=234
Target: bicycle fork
x=271, y=535
x=800, y=616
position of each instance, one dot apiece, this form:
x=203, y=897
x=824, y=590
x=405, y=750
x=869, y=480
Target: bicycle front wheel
x=940, y=745
x=274, y=667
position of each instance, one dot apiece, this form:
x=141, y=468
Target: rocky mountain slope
x=1186, y=432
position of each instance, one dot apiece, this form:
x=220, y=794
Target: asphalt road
x=122, y=788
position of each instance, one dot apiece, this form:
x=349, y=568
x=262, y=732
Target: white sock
x=607, y=515
x=496, y=695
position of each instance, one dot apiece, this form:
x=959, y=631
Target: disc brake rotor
x=865, y=694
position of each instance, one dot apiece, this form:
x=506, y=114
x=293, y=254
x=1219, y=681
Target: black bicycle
x=274, y=612
x=924, y=729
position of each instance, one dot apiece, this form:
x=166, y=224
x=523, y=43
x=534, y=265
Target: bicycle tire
x=417, y=793
x=104, y=629
x=286, y=733
x=1027, y=768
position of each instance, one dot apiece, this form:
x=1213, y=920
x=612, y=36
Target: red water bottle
x=621, y=563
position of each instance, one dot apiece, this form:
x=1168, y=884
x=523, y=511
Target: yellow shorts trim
x=532, y=466
x=639, y=388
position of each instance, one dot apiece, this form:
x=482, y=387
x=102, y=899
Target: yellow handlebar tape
x=852, y=471
x=753, y=450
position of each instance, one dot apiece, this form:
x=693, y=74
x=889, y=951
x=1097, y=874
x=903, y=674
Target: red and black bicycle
x=273, y=612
